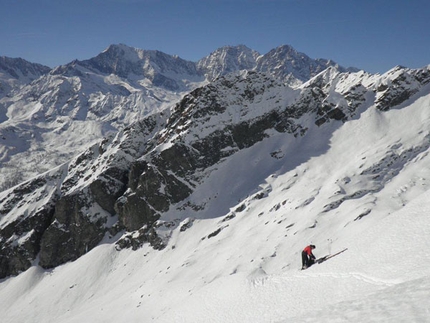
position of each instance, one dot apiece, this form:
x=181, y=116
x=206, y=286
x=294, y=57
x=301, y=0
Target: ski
x=322, y=259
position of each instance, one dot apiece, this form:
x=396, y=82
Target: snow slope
x=362, y=184
x=364, y=284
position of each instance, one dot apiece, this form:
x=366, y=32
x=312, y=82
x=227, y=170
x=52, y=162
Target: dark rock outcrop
x=71, y=234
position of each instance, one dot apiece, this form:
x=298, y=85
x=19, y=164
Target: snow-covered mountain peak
x=122, y=51
x=336, y=75
x=292, y=66
x=286, y=52
x=228, y=59
x=283, y=62
x=16, y=72
x=18, y=67
x=162, y=69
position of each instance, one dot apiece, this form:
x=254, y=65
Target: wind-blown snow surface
x=244, y=267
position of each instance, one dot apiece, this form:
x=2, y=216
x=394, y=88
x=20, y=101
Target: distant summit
x=161, y=69
x=15, y=72
x=228, y=59
x=286, y=63
x=283, y=62
x=19, y=68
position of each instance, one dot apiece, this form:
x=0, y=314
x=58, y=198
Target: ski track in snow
x=335, y=276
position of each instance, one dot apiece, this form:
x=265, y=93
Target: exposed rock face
x=20, y=236
x=399, y=85
x=128, y=182
x=70, y=235
x=17, y=257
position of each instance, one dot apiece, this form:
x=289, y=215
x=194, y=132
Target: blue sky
x=374, y=35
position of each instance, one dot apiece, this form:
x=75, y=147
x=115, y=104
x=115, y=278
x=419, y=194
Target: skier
x=308, y=258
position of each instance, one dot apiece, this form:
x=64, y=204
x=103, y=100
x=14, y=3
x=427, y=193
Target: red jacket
x=308, y=251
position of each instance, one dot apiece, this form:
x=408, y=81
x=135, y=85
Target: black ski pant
x=307, y=260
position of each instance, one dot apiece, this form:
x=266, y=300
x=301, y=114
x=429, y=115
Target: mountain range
x=43, y=112
x=231, y=162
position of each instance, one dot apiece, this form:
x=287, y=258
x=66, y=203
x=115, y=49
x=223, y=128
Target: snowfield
x=361, y=185
x=383, y=277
